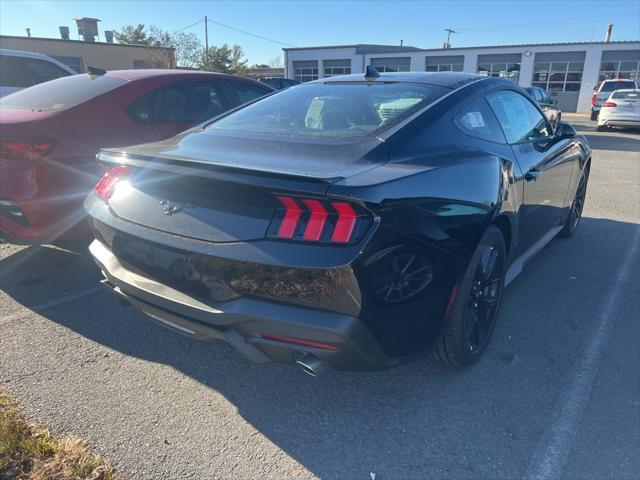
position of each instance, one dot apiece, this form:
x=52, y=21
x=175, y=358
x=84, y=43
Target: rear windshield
x=611, y=86
x=23, y=72
x=61, y=93
x=634, y=95
x=333, y=109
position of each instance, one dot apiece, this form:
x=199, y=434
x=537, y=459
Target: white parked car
x=20, y=70
x=621, y=109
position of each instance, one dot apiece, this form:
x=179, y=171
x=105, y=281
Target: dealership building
x=569, y=71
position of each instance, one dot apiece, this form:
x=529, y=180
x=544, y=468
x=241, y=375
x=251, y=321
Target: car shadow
x=340, y=424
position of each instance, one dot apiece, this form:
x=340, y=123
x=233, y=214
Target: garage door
x=560, y=73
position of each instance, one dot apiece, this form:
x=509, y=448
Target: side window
x=545, y=96
x=521, y=121
x=142, y=109
x=478, y=120
x=240, y=92
x=537, y=95
x=188, y=103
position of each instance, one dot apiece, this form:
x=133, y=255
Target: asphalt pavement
x=557, y=394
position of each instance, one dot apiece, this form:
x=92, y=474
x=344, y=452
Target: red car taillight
x=24, y=149
x=609, y=104
x=318, y=220
x=594, y=98
x=107, y=184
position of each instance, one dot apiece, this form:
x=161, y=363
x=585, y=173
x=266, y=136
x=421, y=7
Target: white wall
x=593, y=55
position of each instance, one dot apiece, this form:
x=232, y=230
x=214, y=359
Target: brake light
x=346, y=221
x=291, y=216
x=316, y=220
x=24, y=149
x=609, y=104
x=107, y=184
x=594, y=98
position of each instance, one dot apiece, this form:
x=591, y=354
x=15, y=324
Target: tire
x=577, y=204
x=463, y=340
x=594, y=115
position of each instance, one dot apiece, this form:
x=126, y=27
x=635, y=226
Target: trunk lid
x=325, y=159
x=224, y=188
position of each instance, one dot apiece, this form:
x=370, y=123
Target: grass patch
x=29, y=452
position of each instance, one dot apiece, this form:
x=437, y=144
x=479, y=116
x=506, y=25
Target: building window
x=305, y=71
x=336, y=67
x=72, y=62
x=451, y=63
x=510, y=71
x=393, y=64
x=445, y=67
x=629, y=70
x=558, y=76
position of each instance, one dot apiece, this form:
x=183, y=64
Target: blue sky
x=305, y=23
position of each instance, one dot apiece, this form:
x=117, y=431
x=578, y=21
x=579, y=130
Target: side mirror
x=565, y=130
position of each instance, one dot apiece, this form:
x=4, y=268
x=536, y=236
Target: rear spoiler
x=275, y=181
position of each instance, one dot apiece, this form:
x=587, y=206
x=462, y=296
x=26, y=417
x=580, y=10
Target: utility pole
x=206, y=36
x=450, y=31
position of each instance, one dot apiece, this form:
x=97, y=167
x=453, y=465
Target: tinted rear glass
x=627, y=95
x=611, y=86
x=25, y=72
x=338, y=109
x=61, y=94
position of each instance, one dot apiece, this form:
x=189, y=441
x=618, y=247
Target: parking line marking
x=555, y=444
x=53, y=303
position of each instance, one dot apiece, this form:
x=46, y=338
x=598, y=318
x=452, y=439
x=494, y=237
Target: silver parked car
x=621, y=109
x=20, y=70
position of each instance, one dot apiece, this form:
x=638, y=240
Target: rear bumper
x=619, y=122
x=244, y=322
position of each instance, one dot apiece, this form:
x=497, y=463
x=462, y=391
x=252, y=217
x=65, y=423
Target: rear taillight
x=24, y=149
x=609, y=104
x=107, y=184
x=594, y=98
x=318, y=220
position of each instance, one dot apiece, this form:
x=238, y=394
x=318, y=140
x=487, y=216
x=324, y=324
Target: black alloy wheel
x=471, y=318
x=575, y=211
x=483, y=299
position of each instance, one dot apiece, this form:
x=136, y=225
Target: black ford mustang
x=351, y=221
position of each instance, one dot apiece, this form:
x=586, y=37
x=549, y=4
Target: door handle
x=532, y=175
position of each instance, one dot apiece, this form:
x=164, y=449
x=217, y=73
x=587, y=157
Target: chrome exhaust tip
x=310, y=364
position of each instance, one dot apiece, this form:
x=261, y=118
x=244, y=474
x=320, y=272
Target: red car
x=50, y=134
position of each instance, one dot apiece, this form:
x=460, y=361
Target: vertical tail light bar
x=107, y=184
x=346, y=221
x=292, y=214
x=318, y=220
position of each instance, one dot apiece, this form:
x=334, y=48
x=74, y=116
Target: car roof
x=4, y=52
x=625, y=90
x=19, y=53
x=159, y=72
x=441, y=79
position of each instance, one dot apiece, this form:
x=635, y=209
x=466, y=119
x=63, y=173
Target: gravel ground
x=556, y=396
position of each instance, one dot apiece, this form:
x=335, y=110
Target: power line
x=251, y=34
x=189, y=26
